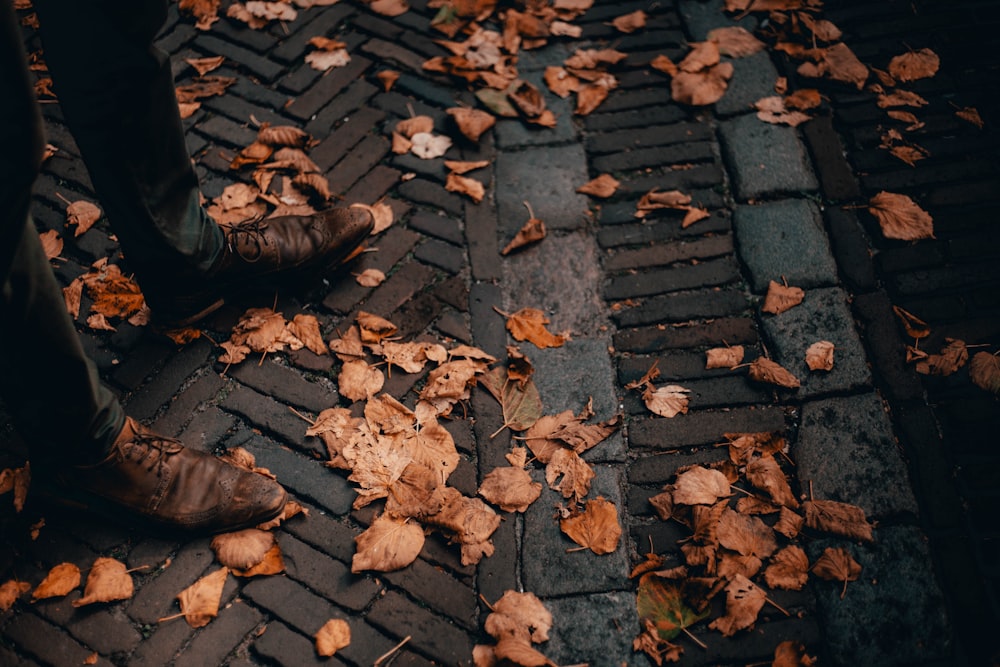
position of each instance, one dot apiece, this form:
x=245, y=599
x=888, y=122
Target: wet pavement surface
x=917, y=453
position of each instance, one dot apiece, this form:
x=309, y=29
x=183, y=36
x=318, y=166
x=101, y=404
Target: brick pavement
x=914, y=452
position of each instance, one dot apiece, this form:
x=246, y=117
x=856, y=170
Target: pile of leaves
x=741, y=544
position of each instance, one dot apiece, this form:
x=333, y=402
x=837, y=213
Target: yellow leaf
x=108, y=581
x=200, y=601
x=60, y=580
x=389, y=544
x=596, y=528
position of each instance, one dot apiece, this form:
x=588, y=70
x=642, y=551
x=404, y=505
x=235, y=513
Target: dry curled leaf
x=789, y=569
x=700, y=486
x=521, y=616
x=529, y=324
x=667, y=401
x=465, y=185
x=82, y=214
x=744, y=600
x=531, y=232
x=900, y=217
x=630, y=22
x=242, y=549
x=763, y=369
x=10, y=591
x=819, y=356
x=735, y=41
x=724, y=357
x=510, y=488
x=984, y=370
x=914, y=65
x=108, y=581
x=952, y=357
x=603, y=186
x=838, y=518
x=837, y=564
x=781, y=297
x=199, y=602
x=333, y=636
x=387, y=545
x=60, y=580
x=596, y=528
x=472, y=123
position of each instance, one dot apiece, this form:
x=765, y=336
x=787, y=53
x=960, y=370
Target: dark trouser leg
x=46, y=380
x=117, y=94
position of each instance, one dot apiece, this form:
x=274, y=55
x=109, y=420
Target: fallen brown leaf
x=819, y=356
x=108, y=581
x=837, y=564
x=764, y=370
x=984, y=370
x=914, y=65
x=333, y=636
x=900, y=217
x=60, y=580
x=596, y=528
x=781, y=298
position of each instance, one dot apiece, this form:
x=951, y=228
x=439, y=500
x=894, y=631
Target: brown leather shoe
x=158, y=480
x=271, y=250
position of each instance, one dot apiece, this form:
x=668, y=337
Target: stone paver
x=785, y=203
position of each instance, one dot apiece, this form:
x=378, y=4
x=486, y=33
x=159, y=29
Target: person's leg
x=47, y=381
x=117, y=94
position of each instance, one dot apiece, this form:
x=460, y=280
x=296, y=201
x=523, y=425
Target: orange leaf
x=333, y=636
x=789, y=569
x=529, y=324
x=735, y=41
x=387, y=545
x=914, y=65
x=532, y=232
x=700, y=486
x=52, y=243
x=10, y=591
x=83, y=214
x=520, y=616
x=511, y=489
x=631, y=22
x=900, y=217
x=603, y=186
x=837, y=564
x=464, y=185
x=242, y=549
x=596, y=528
x=781, y=297
x=765, y=370
x=744, y=600
x=703, y=87
x=838, y=518
x=60, y=580
x=819, y=356
x=984, y=371
x=200, y=601
x=724, y=357
x=108, y=581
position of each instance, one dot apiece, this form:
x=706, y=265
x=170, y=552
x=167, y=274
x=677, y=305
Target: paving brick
x=303, y=476
x=106, y=631
x=659, y=469
x=429, y=634
x=325, y=532
x=281, y=645
x=698, y=176
x=715, y=333
x=373, y=186
x=836, y=177
x=422, y=191
x=850, y=248
x=306, y=105
x=394, y=244
x=36, y=637
x=220, y=637
x=343, y=140
x=674, y=366
x=271, y=417
x=306, y=612
x=804, y=258
x=642, y=158
x=284, y=384
x=259, y=65
x=439, y=591
x=439, y=226
x=646, y=137
x=616, y=233
x=186, y=404
x=353, y=166
x=753, y=78
x=387, y=52
x=823, y=315
x=546, y=549
x=765, y=159
x=602, y=633
x=322, y=574
x=701, y=17
x=657, y=281
x=207, y=429
x=603, y=121
x=322, y=24
x=409, y=280
x=838, y=431
x=703, y=427
x=669, y=253
x=885, y=345
x=135, y=368
x=155, y=599
x=682, y=307
x=515, y=132
x=144, y=403
x=442, y=255
x=624, y=100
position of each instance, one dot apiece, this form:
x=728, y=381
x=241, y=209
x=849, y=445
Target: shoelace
x=145, y=446
x=250, y=233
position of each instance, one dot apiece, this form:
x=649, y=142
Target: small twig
x=389, y=653
x=486, y=602
x=59, y=194
x=311, y=422
x=694, y=639
x=779, y=607
x=572, y=550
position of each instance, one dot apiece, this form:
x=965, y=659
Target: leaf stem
x=311, y=422
x=389, y=653
x=694, y=639
x=779, y=607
